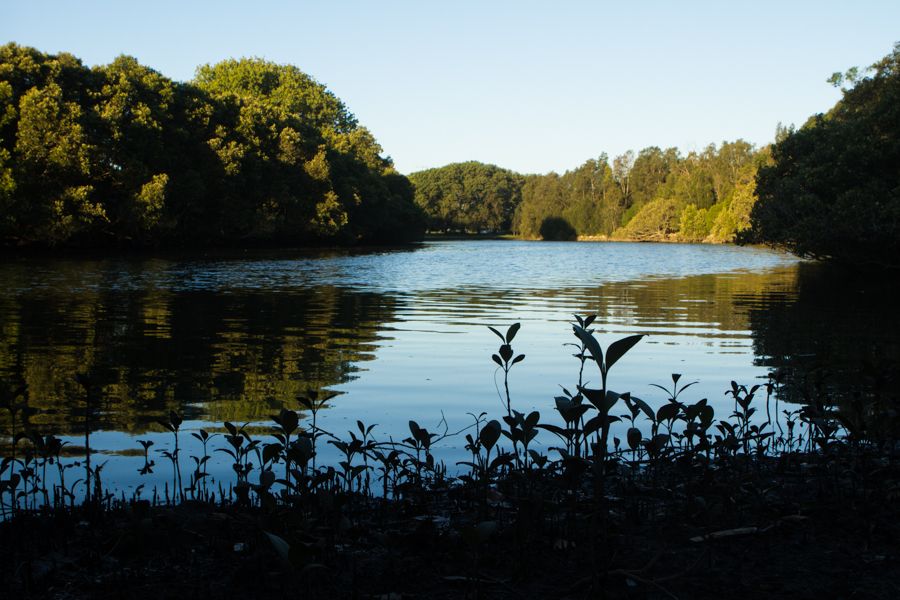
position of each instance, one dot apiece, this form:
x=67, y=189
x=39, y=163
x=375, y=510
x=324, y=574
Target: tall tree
x=833, y=189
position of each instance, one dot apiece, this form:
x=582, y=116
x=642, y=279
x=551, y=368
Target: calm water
x=402, y=334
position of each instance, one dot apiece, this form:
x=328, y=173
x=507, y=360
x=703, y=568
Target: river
x=403, y=334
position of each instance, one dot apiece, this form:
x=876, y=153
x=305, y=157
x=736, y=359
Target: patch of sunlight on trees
x=656, y=195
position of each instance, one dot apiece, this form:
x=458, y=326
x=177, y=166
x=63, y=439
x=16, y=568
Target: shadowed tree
x=833, y=189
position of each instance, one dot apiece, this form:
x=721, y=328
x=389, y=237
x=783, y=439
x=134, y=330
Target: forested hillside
x=828, y=190
x=248, y=152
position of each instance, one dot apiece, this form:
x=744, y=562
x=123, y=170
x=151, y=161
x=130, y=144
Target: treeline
x=248, y=152
x=655, y=195
x=833, y=188
x=828, y=190
x=468, y=196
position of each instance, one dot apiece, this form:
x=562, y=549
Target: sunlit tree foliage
x=248, y=152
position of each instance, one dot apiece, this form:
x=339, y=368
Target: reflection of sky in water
x=422, y=350
x=498, y=265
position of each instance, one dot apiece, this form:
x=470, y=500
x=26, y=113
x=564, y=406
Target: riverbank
x=269, y=248
x=436, y=236
x=661, y=239
x=803, y=525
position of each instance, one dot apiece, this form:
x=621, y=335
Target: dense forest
x=656, y=195
x=252, y=152
x=828, y=190
x=468, y=196
x=248, y=152
x=833, y=188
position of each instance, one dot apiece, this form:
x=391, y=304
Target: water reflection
x=835, y=332
x=402, y=334
x=211, y=355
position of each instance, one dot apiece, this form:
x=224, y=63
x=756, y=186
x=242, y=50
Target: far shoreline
x=458, y=236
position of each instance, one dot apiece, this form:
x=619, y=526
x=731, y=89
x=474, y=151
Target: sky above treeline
x=530, y=86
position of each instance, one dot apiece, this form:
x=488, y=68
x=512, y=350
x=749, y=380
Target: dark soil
x=799, y=526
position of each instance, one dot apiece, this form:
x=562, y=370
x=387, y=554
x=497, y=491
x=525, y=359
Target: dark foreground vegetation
x=631, y=501
x=249, y=152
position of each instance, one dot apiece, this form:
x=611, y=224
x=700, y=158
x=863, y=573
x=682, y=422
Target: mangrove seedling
x=173, y=424
x=504, y=358
x=603, y=399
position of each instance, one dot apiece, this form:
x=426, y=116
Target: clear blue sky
x=532, y=86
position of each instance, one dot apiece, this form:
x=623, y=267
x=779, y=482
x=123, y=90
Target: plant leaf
x=490, y=433
x=591, y=343
x=282, y=548
x=595, y=397
x=634, y=438
x=645, y=408
x=618, y=349
x=512, y=331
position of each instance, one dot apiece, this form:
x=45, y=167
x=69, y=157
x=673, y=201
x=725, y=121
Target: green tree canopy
x=249, y=152
x=469, y=196
x=833, y=190
x=657, y=194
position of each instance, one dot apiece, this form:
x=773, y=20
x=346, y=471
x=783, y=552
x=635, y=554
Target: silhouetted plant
x=200, y=469
x=173, y=424
x=16, y=402
x=603, y=399
x=148, y=464
x=420, y=441
x=287, y=421
x=87, y=385
x=389, y=466
x=504, y=359
x=349, y=471
x=313, y=403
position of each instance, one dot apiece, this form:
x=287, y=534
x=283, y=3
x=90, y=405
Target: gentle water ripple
x=403, y=333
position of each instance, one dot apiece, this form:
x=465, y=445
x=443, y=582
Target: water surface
x=402, y=334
